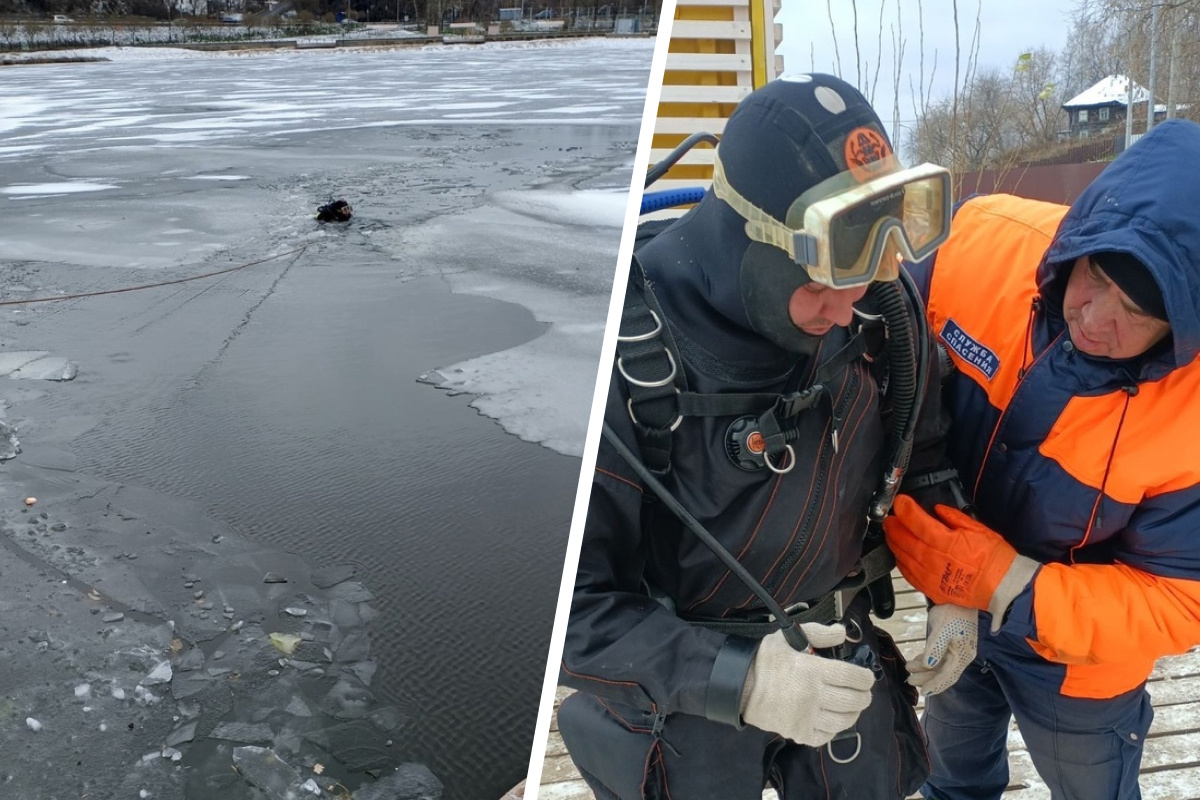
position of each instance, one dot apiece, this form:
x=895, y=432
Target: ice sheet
x=553, y=252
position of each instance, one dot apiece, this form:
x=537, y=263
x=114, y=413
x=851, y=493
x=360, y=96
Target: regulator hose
x=908, y=365
x=660, y=169
x=668, y=198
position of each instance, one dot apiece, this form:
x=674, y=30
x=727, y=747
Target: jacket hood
x=1147, y=204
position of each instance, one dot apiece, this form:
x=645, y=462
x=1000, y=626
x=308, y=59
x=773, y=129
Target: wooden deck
x=1170, y=765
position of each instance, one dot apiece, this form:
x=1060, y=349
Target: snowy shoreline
x=158, y=52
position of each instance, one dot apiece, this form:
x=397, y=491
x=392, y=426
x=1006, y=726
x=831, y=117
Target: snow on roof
x=1113, y=89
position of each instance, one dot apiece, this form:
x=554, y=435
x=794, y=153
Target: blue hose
x=668, y=198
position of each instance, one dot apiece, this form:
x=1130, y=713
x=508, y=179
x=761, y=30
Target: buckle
x=804, y=248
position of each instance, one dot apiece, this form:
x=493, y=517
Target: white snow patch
x=588, y=207
x=555, y=254
x=55, y=188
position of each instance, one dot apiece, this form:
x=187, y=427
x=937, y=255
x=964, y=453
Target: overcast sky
x=1008, y=28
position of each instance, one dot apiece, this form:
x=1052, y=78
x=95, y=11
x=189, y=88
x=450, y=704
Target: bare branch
x=837, y=56
x=878, y=52
x=857, y=52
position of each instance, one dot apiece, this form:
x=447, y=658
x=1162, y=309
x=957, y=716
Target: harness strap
x=653, y=375
x=658, y=398
x=875, y=564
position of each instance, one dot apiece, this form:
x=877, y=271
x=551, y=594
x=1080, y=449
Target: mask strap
x=761, y=226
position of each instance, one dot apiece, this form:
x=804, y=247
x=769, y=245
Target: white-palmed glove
x=949, y=648
x=801, y=696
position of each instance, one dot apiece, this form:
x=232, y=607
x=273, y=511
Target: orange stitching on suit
x=757, y=527
x=617, y=477
x=580, y=675
x=621, y=719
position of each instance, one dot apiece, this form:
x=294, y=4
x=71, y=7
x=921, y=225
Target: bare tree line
x=429, y=11
x=999, y=116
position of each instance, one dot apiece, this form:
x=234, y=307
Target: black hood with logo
x=729, y=293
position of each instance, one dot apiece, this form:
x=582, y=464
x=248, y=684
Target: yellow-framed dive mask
x=848, y=233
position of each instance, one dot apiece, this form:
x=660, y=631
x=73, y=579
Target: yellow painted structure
x=720, y=51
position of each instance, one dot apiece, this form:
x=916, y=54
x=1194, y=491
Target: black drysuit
x=637, y=727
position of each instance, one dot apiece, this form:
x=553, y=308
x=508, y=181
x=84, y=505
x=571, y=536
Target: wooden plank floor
x=1170, y=765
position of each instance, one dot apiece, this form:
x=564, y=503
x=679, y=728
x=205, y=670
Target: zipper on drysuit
x=823, y=458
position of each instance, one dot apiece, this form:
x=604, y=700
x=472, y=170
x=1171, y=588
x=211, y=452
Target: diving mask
x=846, y=233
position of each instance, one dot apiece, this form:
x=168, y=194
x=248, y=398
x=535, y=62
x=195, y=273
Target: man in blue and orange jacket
x=1076, y=421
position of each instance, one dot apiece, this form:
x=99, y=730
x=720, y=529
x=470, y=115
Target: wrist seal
x=723, y=700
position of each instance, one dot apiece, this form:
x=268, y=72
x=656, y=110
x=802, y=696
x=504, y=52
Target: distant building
x=1101, y=109
x=510, y=14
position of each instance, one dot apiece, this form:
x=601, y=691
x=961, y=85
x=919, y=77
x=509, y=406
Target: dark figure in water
x=335, y=211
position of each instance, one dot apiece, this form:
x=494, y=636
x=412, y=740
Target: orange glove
x=956, y=559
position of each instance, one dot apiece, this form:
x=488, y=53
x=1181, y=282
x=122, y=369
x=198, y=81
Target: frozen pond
x=283, y=399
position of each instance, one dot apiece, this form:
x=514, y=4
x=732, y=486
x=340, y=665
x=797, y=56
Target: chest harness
x=761, y=435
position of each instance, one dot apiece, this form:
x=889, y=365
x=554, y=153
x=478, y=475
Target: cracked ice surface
x=36, y=365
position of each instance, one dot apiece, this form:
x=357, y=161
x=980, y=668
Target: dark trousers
x=1083, y=749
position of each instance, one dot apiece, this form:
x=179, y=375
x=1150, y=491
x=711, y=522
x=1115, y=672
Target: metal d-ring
x=674, y=424
x=791, y=462
x=857, y=750
x=649, y=384
x=857, y=627
x=641, y=337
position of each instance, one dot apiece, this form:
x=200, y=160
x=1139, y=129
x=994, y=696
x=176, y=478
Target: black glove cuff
x=723, y=700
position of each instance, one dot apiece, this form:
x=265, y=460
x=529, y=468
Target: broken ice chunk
x=160, y=674
x=409, y=780
x=262, y=768
x=284, y=642
x=144, y=697
x=9, y=446
x=181, y=735
x=244, y=732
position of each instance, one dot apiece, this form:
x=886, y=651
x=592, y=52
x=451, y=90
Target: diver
x=768, y=398
x=335, y=211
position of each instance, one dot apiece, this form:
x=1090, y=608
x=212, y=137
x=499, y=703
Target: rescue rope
x=152, y=285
